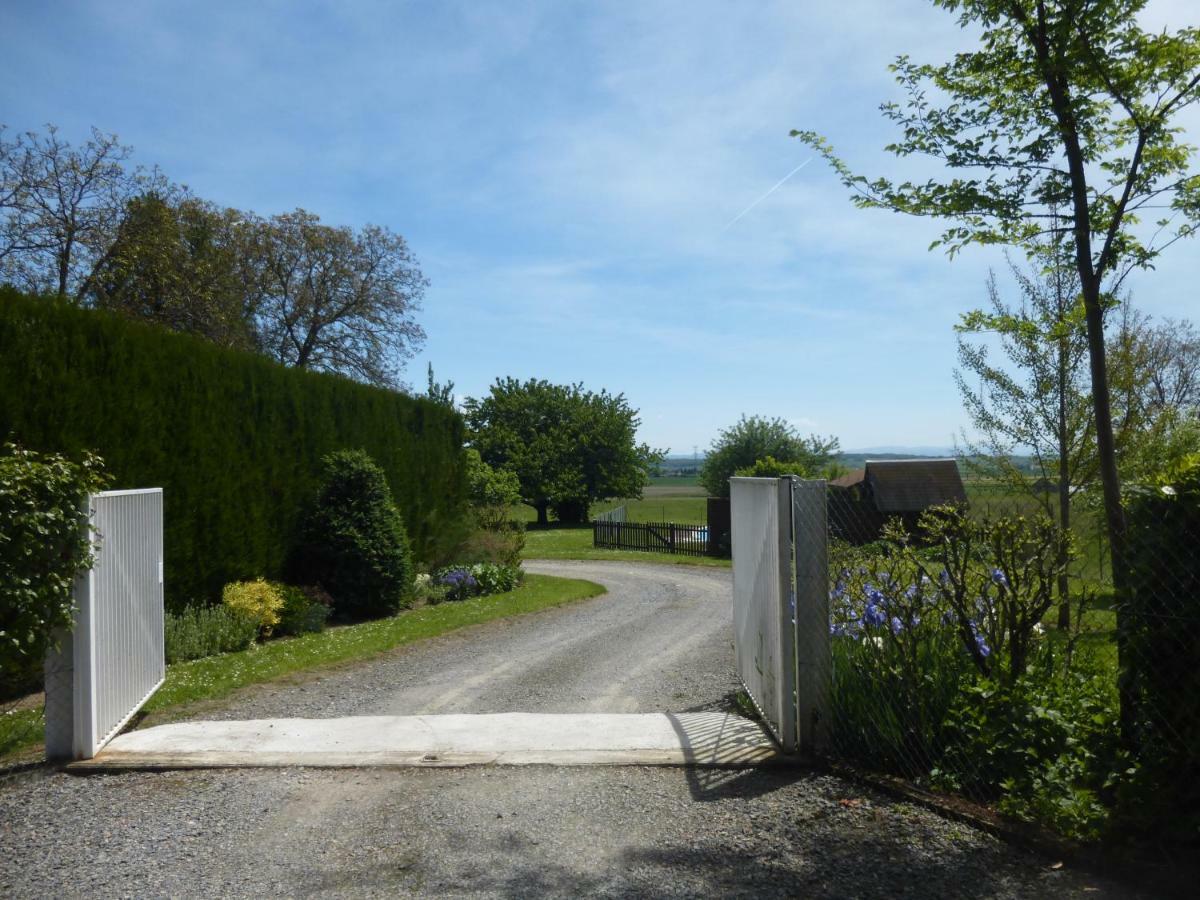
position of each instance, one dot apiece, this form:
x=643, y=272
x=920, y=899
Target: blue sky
x=565, y=173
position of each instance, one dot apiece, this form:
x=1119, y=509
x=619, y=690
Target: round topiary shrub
x=355, y=545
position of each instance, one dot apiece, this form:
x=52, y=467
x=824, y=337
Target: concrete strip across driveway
x=712, y=739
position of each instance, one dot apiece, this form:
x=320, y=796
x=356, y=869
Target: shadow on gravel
x=839, y=862
x=737, y=781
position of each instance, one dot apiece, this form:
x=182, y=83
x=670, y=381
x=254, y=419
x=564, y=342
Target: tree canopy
x=1063, y=125
x=84, y=224
x=568, y=446
x=756, y=438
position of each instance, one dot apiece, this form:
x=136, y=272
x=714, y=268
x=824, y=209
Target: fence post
x=69, y=682
x=810, y=535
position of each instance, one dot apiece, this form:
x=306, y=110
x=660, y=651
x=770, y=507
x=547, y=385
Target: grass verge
x=217, y=676
x=576, y=543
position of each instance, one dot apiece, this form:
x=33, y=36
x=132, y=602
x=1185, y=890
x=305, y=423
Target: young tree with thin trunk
x=1038, y=402
x=1065, y=105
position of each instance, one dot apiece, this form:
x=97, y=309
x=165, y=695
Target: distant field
x=678, y=500
x=675, y=481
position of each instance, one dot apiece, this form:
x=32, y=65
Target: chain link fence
x=981, y=648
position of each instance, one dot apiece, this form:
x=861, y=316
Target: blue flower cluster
x=460, y=583
x=886, y=603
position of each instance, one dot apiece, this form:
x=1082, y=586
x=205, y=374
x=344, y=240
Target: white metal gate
x=113, y=659
x=781, y=604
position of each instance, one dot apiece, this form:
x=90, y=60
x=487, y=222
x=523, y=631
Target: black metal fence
x=652, y=537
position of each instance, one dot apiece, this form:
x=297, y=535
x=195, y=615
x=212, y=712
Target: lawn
x=575, y=542
x=214, y=677
x=676, y=500
x=665, y=501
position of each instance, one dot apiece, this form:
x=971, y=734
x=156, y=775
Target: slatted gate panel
x=781, y=605
x=764, y=627
x=114, y=658
x=126, y=607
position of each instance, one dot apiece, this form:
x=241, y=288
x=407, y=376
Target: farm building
x=863, y=500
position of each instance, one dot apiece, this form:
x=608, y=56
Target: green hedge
x=234, y=439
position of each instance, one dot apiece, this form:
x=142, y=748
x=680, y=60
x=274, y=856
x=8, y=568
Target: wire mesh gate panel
x=113, y=660
x=781, y=605
x=764, y=627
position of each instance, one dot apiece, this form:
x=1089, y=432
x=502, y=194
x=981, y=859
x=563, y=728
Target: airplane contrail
x=767, y=194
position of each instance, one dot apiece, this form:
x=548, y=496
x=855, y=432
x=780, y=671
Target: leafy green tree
x=492, y=492
x=568, y=447
x=770, y=467
x=181, y=264
x=756, y=438
x=1066, y=105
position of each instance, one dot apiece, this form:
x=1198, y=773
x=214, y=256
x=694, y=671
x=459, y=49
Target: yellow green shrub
x=258, y=601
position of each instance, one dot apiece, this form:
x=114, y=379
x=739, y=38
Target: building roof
x=850, y=479
x=910, y=485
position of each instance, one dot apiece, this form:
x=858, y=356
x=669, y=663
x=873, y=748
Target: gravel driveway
x=659, y=640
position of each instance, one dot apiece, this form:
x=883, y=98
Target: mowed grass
x=681, y=504
x=663, y=500
x=575, y=542
x=208, y=679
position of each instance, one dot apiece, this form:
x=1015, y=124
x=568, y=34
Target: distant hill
x=902, y=452
x=688, y=466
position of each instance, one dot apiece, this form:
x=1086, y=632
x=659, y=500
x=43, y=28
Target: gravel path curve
x=660, y=639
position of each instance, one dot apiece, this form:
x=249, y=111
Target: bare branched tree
x=65, y=207
x=337, y=300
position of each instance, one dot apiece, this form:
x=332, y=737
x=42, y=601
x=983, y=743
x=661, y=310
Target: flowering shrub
x=944, y=673
x=458, y=582
x=257, y=601
x=461, y=582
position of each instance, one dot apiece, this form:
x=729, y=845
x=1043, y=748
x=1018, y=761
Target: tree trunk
x=541, y=508
x=1114, y=512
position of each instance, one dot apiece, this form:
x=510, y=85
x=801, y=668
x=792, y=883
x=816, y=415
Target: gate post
x=810, y=535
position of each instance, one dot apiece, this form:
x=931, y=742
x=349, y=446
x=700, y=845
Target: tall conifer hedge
x=234, y=439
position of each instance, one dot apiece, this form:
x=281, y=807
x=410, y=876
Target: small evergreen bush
x=200, y=631
x=356, y=546
x=305, y=609
x=257, y=601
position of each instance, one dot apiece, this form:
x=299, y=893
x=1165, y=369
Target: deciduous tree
x=336, y=299
x=181, y=264
x=756, y=438
x=1065, y=105
x=1067, y=108
x=64, y=206
x=568, y=446
x=1038, y=400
